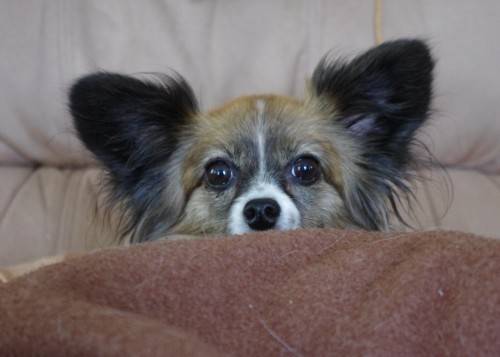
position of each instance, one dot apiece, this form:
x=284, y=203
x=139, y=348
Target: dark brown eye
x=305, y=170
x=219, y=174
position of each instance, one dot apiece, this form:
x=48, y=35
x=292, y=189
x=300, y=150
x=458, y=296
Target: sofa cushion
x=49, y=211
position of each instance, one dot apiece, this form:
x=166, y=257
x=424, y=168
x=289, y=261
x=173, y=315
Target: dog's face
x=338, y=158
x=264, y=162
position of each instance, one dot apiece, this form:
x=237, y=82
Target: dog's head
x=338, y=158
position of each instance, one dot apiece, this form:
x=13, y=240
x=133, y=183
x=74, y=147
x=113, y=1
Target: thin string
x=377, y=22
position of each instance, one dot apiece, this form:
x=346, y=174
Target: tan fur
x=308, y=124
x=306, y=119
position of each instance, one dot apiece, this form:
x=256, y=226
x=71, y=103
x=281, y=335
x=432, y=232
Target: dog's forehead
x=242, y=124
x=261, y=132
x=240, y=106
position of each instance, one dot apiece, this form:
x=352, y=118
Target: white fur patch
x=289, y=217
x=260, y=105
x=289, y=214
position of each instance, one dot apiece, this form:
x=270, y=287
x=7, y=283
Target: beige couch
x=49, y=183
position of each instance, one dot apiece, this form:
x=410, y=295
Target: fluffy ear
x=132, y=127
x=381, y=98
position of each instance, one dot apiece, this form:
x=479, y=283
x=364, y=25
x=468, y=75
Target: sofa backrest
x=240, y=47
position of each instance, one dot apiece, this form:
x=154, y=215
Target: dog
x=341, y=157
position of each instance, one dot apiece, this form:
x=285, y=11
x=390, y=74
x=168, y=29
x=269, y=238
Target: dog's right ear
x=132, y=126
x=128, y=123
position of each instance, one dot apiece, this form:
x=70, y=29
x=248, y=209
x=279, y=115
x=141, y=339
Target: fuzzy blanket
x=298, y=293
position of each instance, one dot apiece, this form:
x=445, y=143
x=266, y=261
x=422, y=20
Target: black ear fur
x=381, y=98
x=132, y=127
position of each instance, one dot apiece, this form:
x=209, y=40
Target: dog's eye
x=219, y=174
x=305, y=170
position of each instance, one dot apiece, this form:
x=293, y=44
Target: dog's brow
x=215, y=154
x=309, y=148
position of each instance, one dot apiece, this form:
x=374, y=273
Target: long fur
x=146, y=132
x=381, y=98
x=133, y=127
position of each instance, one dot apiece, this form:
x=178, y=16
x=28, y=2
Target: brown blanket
x=301, y=293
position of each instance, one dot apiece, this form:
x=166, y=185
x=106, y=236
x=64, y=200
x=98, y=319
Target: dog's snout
x=261, y=214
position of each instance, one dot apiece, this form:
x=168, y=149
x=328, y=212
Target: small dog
x=342, y=157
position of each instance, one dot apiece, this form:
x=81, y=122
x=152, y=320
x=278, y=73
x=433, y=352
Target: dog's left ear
x=381, y=97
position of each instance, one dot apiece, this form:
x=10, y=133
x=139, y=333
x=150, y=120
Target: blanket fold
x=297, y=293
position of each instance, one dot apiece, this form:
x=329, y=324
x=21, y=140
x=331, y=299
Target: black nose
x=261, y=214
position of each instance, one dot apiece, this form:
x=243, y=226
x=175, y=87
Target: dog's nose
x=261, y=214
